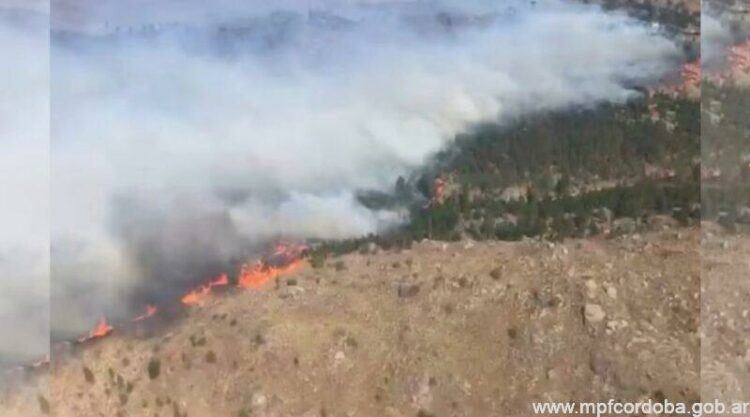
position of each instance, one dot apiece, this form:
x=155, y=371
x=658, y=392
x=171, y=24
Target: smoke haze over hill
x=184, y=143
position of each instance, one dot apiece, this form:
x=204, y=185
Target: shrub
x=43, y=404
x=154, y=368
x=88, y=375
x=339, y=265
x=317, y=259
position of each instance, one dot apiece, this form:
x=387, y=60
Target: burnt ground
x=442, y=329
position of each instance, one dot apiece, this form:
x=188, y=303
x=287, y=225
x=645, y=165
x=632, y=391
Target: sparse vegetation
x=197, y=341
x=339, y=265
x=43, y=404
x=88, y=375
x=317, y=259
x=154, y=368
x=496, y=273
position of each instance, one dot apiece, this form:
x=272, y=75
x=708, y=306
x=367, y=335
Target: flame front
x=198, y=295
x=102, y=329
x=150, y=312
x=737, y=64
x=258, y=274
x=739, y=57
x=691, y=74
x=286, y=258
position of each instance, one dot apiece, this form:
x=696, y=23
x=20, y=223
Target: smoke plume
x=24, y=183
x=184, y=143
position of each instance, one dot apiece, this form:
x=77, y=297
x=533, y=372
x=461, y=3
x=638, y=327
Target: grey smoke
x=720, y=30
x=716, y=37
x=175, y=156
x=24, y=183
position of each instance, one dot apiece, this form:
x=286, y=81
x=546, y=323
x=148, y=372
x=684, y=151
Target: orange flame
x=739, y=57
x=738, y=62
x=258, y=274
x=150, y=312
x=252, y=275
x=691, y=74
x=198, y=295
x=102, y=329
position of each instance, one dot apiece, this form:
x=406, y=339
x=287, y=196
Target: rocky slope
x=442, y=329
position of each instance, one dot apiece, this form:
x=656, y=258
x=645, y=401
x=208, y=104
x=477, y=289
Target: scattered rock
x=598, y=363
x=591, y=288
x=408, y=290
x=612, y=292
x=260, y=400
x=593, y=313
x=615, y=325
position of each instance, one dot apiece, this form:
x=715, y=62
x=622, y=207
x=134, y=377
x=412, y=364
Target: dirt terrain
x=724, y=316
x=442, y=329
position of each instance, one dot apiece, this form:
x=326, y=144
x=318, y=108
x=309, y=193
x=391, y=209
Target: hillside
x=725, y=148
x=575, y=173
x=442, y=329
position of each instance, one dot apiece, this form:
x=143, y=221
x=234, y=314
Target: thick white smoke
x=179, y=147
x=24, y=183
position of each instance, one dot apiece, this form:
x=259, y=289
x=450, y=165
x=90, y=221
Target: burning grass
x=286, y=258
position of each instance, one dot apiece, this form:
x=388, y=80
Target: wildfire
x=690, y=80
x=150, y=312
x=691, y=74
x=439, y=195
x=739, y=57
x=286, y=258
x=198, y=295
x=102, y=329
x=738, y=63
x=258, y=274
